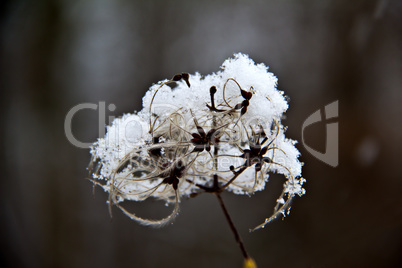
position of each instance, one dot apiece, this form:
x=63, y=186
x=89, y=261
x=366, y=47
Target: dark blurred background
x=58, y=54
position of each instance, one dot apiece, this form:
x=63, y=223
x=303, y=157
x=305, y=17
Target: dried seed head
x=215, y=137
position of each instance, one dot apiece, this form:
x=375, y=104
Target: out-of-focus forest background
x=58, y=54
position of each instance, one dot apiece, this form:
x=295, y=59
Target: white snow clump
x=214, y=133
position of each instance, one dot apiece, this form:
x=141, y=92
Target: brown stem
x=234, y=177
x=232, y=226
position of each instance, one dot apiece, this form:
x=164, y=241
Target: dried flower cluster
x=195, y=134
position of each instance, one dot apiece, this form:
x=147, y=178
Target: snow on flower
x=214, y=133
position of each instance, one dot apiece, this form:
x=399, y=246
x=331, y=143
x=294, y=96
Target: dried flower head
x=214, y=133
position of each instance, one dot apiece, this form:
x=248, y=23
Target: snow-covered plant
x=197, y=134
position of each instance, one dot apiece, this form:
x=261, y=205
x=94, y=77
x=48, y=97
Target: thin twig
x=232, y=226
